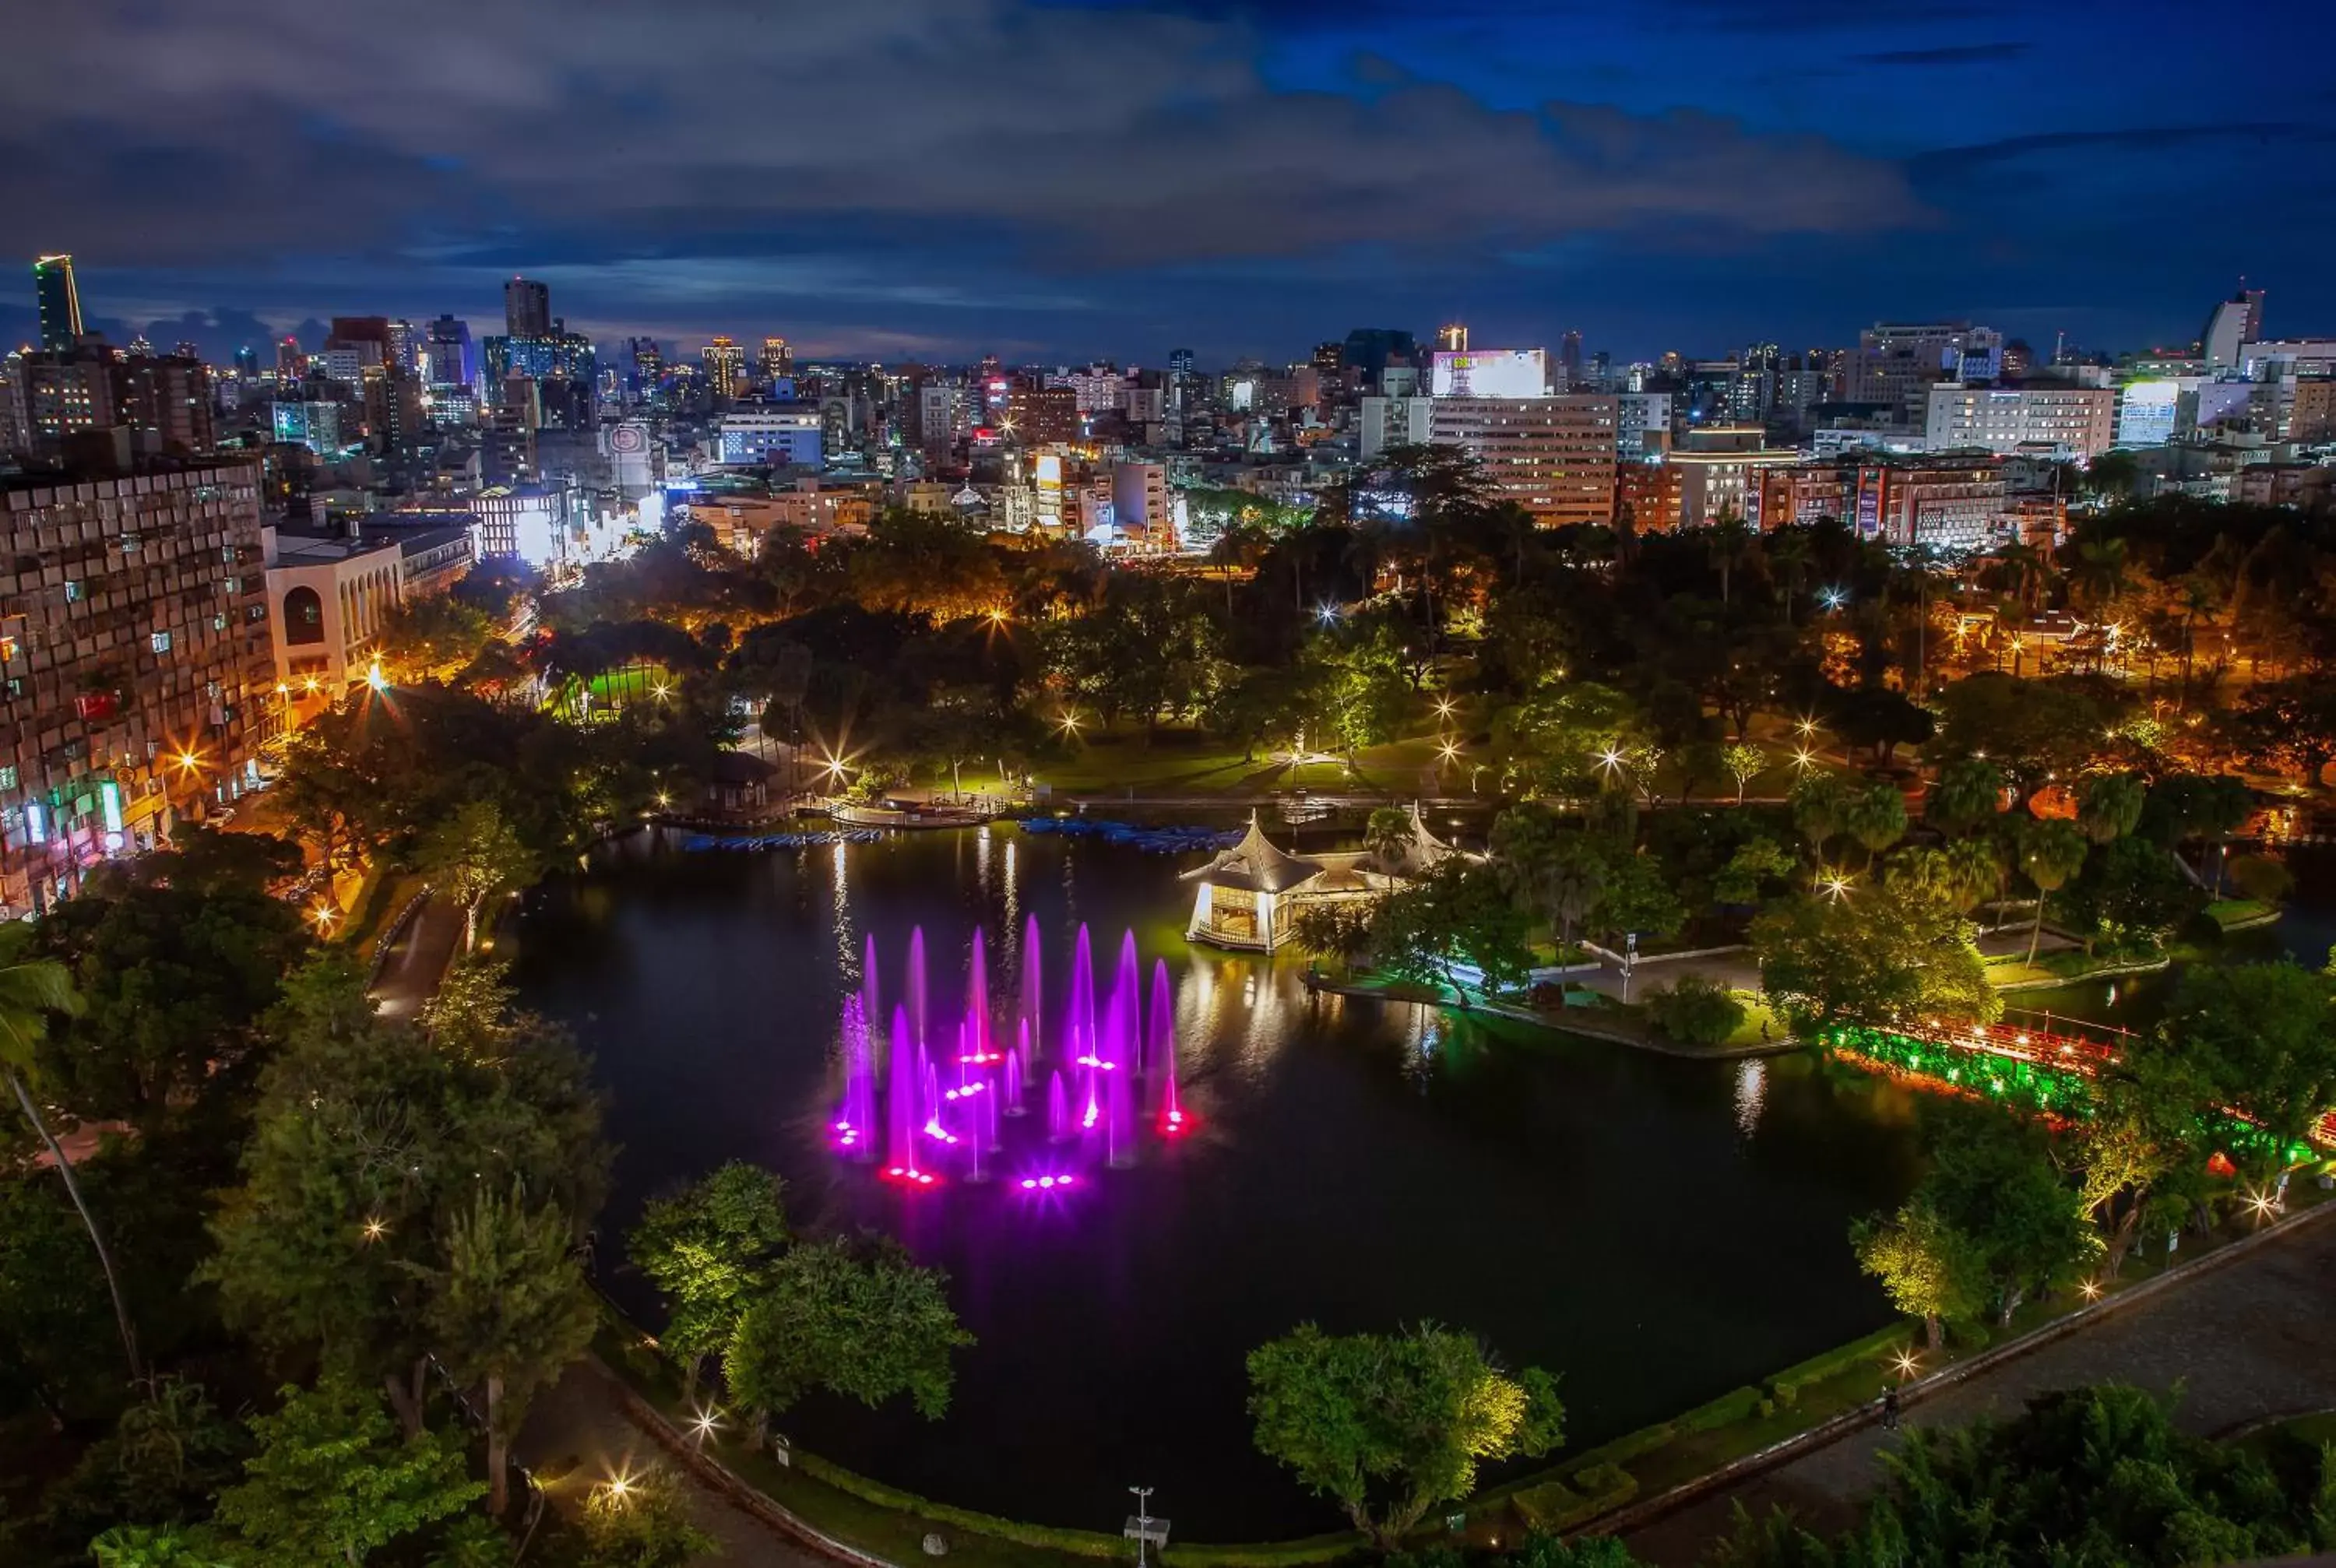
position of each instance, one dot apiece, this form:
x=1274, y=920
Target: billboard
x=1490, y=373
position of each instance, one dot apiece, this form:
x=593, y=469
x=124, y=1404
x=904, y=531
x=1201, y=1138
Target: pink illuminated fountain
x=949, y=1089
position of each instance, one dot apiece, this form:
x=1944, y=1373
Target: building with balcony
x=134, y=668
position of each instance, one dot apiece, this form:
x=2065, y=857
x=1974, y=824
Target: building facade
x=774, y=433
x=134, y=644
x=2078, y=422
x=1554, y=456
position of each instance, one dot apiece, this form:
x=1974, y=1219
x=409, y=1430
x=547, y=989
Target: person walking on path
x=1890, y=1409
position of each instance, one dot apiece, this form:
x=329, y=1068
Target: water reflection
x=1751, y=1093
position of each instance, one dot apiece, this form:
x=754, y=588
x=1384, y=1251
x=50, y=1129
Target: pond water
x=2304, y=931
x=1656, y=1231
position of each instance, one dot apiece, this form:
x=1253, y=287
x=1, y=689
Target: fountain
x=1117, y=1068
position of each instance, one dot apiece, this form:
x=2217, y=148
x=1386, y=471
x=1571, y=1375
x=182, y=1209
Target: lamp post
x=1141, y=1528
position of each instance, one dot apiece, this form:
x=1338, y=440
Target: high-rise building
x=291, y=363
x=1182, y=363
x=648, y=368
x=137, y=660
x=1037, y=416
x=58, y=298
x=527, y=309
x=1554, y=456
x=1329, y=358
x=726, y=367
x=404, y=347
x=778, y=361
x=2233, y=321
x=247, y=362
x=452, y=363
x=1387, y=422
x=1568, y=360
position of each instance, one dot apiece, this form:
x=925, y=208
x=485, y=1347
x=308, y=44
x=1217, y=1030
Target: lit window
x=161, y=642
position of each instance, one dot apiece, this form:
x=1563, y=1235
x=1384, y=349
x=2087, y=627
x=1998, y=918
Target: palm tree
x=1789, y=556
x=1974, y=870
x=1387, y=834
x=2025, y=569
x=2050, y=852
x=2110, y=807
x=1969, y=792
x=1876, y=819
x=2100, y=576
x=1731, y=545
x=30, y=990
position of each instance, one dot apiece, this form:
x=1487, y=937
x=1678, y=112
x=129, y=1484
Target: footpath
x=2246, y=1341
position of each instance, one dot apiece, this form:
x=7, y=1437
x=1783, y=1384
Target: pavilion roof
x=1255, y=863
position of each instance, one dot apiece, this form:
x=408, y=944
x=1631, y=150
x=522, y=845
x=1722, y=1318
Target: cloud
x=1948, y=54
x=1124, y=138
x=1958, y=161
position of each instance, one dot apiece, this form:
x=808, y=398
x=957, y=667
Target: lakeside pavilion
x=1249, y=896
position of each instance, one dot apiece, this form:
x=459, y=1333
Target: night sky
x=1051, y=178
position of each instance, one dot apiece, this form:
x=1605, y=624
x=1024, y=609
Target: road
x=576, y=1436
x=418, y=959
x=2246, y=1341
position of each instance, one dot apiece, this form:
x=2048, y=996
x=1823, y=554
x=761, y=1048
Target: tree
x=1638, y=898
x=1457, y=918
x=1695, y=1010
x=472, y=854
x=2263, y=1038
x=2110, y=806
x=2131, y=892
x=31, y=991
x=1757, y=861
x=166, y=1458
x=1969, y=793
x=1993, y=1182
x=1930, y=1270
x=1387, y=834
x=1821, y=808
x=368, y=1142
x=2090, y=1477
x=1557, y=871
x=706, y=1249
x=2289, y=725
x=642, y=1524
x=333, y=1481
x=1744, y=761
x=1876, y=819
x=1880, y=718
x=863, y=1322
x=2050, y=852
x=1878, y=955
x=1389, y=1426
x=157, y=1546
x=509, y=1310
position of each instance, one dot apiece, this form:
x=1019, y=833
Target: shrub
x=1696, y=1012
x=1765, y=1409
x=2261, y=877
x=1552, y=1505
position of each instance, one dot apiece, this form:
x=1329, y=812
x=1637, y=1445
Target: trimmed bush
x=2261, y=877
x=1832, y=1363
x=1606, y=1487
x=1551, y=1505
x=1696, y=1012
x=1737, y=1405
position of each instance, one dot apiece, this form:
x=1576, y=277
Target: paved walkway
x=2248, y=1341
x=576, y=1436
x=417, y=960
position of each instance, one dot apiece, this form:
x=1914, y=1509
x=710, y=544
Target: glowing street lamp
x=1326, y=613
x=1833, y=598
x=374, y=1229
x=1444, y=707
x=1070, y=722
x=1610, y=759
x=375, y=678
x=1449, y=752
x=1806, y=725
x=1836, y=886
x=1908, y=1364
x=704, y=1423
x=1802, y=758
x=188, y=760
x=323, y=915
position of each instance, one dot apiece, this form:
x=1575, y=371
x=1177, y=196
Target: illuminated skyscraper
x=527, y=309
x=725, y=364
x=778, y=359
x=59, y=300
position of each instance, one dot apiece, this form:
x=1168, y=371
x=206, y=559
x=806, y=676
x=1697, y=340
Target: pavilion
x=1249, y=896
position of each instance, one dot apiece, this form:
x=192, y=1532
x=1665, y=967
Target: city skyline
x=1067, y=181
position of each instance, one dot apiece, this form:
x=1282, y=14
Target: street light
x=375, y=678
x=1141, y=1528
x=1444, y=707
x=1836, y=886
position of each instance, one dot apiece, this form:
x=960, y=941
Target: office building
x=527, y=309
x=1554, y=456
x=452, y=361
x=1042, y=415
x=1142, y=511
x=725, y=364
x=528, y=522
x=2054, y=420
x=1643, y=425
x=2234, y=321
x=1387, y=422
x=58, y=300
x=1719, y=473
x=770, y=433
x=1895, y=363
x=1569, y=362
x=1951, y=502
x=331, y=596
x=134, y=648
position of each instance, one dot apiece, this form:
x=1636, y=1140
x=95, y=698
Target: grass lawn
x=1184, y=760
x=2229, y=912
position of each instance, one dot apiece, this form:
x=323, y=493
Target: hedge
x=1841, y=1358
x=1735, y=1405
x=1313, y=1549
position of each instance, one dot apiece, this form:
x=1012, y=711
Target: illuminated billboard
x=1490, y=373
x=1047, y=472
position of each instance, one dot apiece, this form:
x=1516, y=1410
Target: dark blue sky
x=1053, y=178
